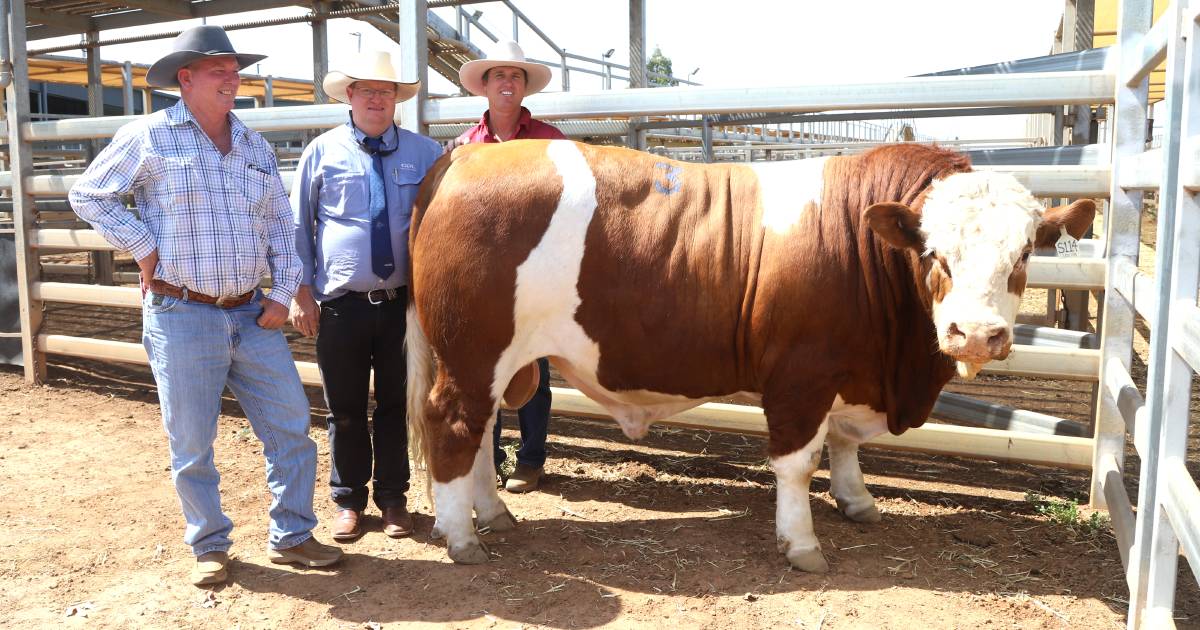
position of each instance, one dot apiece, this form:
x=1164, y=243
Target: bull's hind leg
x=793, y=516
x=847, y=429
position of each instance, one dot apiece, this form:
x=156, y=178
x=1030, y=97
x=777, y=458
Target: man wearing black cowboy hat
x=213, y=220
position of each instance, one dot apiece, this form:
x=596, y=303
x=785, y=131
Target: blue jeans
x=534, y=419
x=196, y=350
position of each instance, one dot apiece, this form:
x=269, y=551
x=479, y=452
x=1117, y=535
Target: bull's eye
x=1025, y=257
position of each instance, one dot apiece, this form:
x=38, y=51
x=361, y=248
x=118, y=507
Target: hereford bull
x=839, y=293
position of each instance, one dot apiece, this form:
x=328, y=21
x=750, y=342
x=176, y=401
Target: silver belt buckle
x=226, y=301
x=388, y=294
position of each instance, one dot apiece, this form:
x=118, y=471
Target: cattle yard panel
x=20, y=157
x=1166, y=519
x=1122, y=237
x=1169, y=517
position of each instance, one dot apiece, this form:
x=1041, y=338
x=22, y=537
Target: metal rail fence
x=1052, y=88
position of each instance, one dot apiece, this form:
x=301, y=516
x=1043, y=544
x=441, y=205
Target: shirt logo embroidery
x=407, y=166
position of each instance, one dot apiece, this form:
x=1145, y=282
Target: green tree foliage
x=661, y=64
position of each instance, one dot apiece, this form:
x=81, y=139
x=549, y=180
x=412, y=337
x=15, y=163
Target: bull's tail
x=420, y=383
x=420, y=356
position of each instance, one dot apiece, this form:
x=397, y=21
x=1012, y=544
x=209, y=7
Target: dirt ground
x=677, y=529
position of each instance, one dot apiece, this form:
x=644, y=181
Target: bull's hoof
x=863, y=514
x=808, y=560
x=473, y=552
x=502, y=522
x=436, y=533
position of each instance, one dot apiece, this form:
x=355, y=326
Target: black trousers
x=534, y=419
x=355, y=336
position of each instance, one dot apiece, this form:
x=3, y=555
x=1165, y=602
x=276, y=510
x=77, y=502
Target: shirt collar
x=181, y=114
x=390, y=137
x=523, y=123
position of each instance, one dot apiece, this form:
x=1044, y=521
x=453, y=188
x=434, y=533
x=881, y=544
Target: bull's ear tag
x=1067, y=245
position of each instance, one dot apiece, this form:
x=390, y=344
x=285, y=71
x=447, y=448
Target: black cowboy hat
x=195, y=43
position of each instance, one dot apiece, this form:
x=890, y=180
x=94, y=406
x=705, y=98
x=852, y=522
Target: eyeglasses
x=371, y=93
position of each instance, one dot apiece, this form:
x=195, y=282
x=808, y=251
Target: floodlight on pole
x=608, y=68
x=359, y=36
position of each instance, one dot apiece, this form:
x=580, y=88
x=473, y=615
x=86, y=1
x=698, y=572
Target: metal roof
x=55, y=18
x=73, y=71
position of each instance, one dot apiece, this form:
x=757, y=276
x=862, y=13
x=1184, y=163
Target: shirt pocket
x=255, y=191
x=404, y=177
x=346, y=195
x=256, y=185
x=404, y=184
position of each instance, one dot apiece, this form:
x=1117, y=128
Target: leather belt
x=378, y=296
x=224, y=301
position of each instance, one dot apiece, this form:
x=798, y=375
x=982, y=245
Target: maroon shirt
x=527, y=128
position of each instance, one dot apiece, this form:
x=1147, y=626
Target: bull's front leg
x=846, y=484
x=455, y=437
x=793, y=515
x=490, y=511
x=452, y=500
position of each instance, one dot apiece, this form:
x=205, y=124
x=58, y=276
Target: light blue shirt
x=333, y=193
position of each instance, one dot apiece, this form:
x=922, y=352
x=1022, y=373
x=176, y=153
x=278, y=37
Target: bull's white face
x=979, y=230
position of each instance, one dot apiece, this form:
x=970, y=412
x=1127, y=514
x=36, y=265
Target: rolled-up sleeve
x=96, y=196
x=281, y=242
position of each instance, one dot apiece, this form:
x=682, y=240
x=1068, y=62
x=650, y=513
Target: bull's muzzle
x=977, y=342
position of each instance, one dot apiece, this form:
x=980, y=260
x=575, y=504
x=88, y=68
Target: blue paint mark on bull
x=671, y=173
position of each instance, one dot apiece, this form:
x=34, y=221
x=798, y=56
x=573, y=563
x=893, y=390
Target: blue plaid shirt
x=220, y=222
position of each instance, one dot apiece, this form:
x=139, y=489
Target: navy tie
x=383, y=263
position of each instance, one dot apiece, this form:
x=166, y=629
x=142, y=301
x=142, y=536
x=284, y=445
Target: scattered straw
x=727, y=515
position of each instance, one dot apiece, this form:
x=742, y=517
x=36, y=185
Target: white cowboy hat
x=370, y=65
x=537, y=76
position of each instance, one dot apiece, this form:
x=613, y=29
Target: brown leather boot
x=525, y=478
x=397, y=522
x=346, y=525
x=210, y=569
x=309, y=553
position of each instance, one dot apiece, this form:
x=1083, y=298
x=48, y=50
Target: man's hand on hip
x=146, y=267
x=274, y=314
x=306, y=313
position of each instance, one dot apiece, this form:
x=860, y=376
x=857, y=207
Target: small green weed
x=1065, y=513
x=510, y=459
